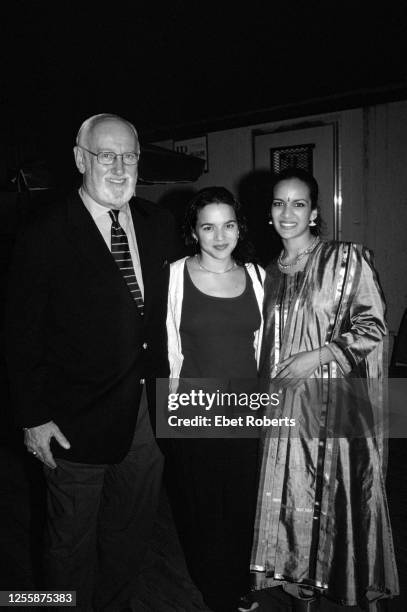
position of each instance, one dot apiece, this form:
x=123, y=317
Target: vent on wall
x=297, y=156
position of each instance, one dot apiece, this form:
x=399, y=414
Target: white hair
x=89, y=124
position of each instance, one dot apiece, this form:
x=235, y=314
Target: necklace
x=300, y=256
x=232, y=267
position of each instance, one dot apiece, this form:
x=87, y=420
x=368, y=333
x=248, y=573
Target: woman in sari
x=322, y=525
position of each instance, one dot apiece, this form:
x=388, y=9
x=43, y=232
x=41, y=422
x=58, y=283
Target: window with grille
x=297, y=156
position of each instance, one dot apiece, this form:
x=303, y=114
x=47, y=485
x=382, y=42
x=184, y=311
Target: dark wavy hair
x=244, y=251
x=310, y=181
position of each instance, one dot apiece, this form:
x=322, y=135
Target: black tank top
x=217, y=333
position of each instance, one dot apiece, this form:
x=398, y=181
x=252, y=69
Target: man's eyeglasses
x=107, y=158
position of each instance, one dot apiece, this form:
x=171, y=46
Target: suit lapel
x=90, y=245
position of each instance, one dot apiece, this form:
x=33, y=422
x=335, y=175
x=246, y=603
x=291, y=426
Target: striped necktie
x=121, y=254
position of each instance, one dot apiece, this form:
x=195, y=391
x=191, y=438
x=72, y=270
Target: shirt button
x=142, y=381
x=145, y=345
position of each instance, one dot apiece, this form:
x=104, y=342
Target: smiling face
x=111, y=186
x=291, y=210
x=216, y=231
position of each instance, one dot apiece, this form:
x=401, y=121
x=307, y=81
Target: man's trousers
x=100, y=520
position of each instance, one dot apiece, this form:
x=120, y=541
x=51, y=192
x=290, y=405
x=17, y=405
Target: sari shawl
x=322, y=518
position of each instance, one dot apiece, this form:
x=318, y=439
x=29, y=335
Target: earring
x=312, y=224
x=270, y=222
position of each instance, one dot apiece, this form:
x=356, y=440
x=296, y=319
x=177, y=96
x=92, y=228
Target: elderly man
x=86, y=336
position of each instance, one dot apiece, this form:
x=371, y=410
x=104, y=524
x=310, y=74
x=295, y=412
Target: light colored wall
x=373, y=157
x=385, y=200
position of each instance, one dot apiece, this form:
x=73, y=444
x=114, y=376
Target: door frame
x=337, y=161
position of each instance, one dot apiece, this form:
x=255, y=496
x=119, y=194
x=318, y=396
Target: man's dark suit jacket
x=74, y=334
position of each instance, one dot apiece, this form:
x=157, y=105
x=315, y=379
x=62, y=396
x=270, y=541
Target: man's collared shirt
x=100, y=215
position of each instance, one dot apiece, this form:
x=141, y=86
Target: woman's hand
x=297, y=367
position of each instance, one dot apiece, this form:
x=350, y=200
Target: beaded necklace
x=288, y=267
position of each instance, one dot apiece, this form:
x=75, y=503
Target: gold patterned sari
x=322, y=518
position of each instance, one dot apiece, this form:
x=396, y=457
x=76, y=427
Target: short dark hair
x=243, y=252
x=311, y=182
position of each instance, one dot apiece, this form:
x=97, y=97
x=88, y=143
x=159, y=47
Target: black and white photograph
x=203, y=342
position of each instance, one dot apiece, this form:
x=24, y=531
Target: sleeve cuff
x=340, y=357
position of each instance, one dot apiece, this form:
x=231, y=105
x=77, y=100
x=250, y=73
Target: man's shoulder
x=39, y=212
x=149, y=209
x=52, y=206
x=158, y=226
x=48, y=217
